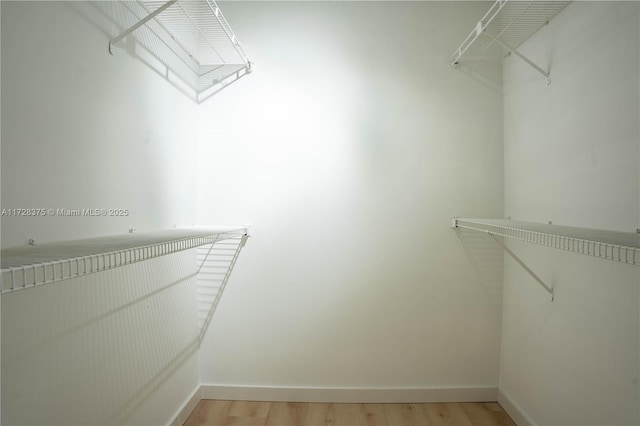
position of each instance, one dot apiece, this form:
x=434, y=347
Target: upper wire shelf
x=191, y=38
x=612, y=245
x=508, y=23
x=31, y=266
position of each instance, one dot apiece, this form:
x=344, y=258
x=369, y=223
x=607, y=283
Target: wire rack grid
x=32, y=266
x=190, y=38
x=511, y=22
x=621, y=247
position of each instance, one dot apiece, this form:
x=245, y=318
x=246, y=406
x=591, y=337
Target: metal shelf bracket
x=520, y=55
x=618, y=246
x=243, y=242
x=508, y=24
x=548, y=288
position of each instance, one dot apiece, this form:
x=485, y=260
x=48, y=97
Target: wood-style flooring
x=246, y=413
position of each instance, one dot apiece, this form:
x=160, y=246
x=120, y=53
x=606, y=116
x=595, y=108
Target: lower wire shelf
x=611, y=245
x=31, y=266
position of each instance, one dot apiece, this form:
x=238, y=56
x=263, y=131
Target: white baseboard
x=187, y=408
x=514, y=410
x=353, y=395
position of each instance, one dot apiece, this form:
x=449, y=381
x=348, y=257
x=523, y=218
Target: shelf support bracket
x=521, y=263
x=454, y=224
x=243, y=241
x=207, y=255
x=140, y=23
x=519, y=55
x=223, y=285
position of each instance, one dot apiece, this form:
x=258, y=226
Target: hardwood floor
x=246, y=413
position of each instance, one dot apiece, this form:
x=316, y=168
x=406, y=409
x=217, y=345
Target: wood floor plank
x=288, y=414
x=246, y=413
x=209, y=412
x=437, y=414
x=357, y=415
x=317, y=414
x=374, y=414
x=345, y=415
x=405, y=414
x=476, y=414
x=493, y=406
x=481, y=415
x=243, y=421
x=503, y=419
x=452, y=413
x=249, y=409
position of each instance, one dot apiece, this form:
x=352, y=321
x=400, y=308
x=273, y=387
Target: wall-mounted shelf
x=31, y=266
x=508, y=23
x=191, y=38
x=612, y=245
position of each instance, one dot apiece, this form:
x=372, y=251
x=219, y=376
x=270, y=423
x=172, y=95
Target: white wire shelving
x=617, y=246
x=216, y=265
x=508, y=24
x=31, y=266
x=612, y=245
x=191, y=38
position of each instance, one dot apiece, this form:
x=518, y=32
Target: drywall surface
x=348, y=149
x=85, y=129
x=571, y=156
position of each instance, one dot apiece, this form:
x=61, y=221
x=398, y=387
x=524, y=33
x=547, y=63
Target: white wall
x=84, y=129
x=571, y=156
x=348, y=149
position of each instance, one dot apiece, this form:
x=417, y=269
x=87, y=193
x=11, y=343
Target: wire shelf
x=191, y=38
x=508, y=23
x=216, y=264
x=611, y=245
x=31, y=266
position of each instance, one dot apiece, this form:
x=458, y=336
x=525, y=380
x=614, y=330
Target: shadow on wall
x=487, y=259
x=484, y=72
x=157, y=49
x=92, y=350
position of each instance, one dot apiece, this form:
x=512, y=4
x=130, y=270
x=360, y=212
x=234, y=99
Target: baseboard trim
x=187, y=408
x=514, y=410
x=352, y=395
